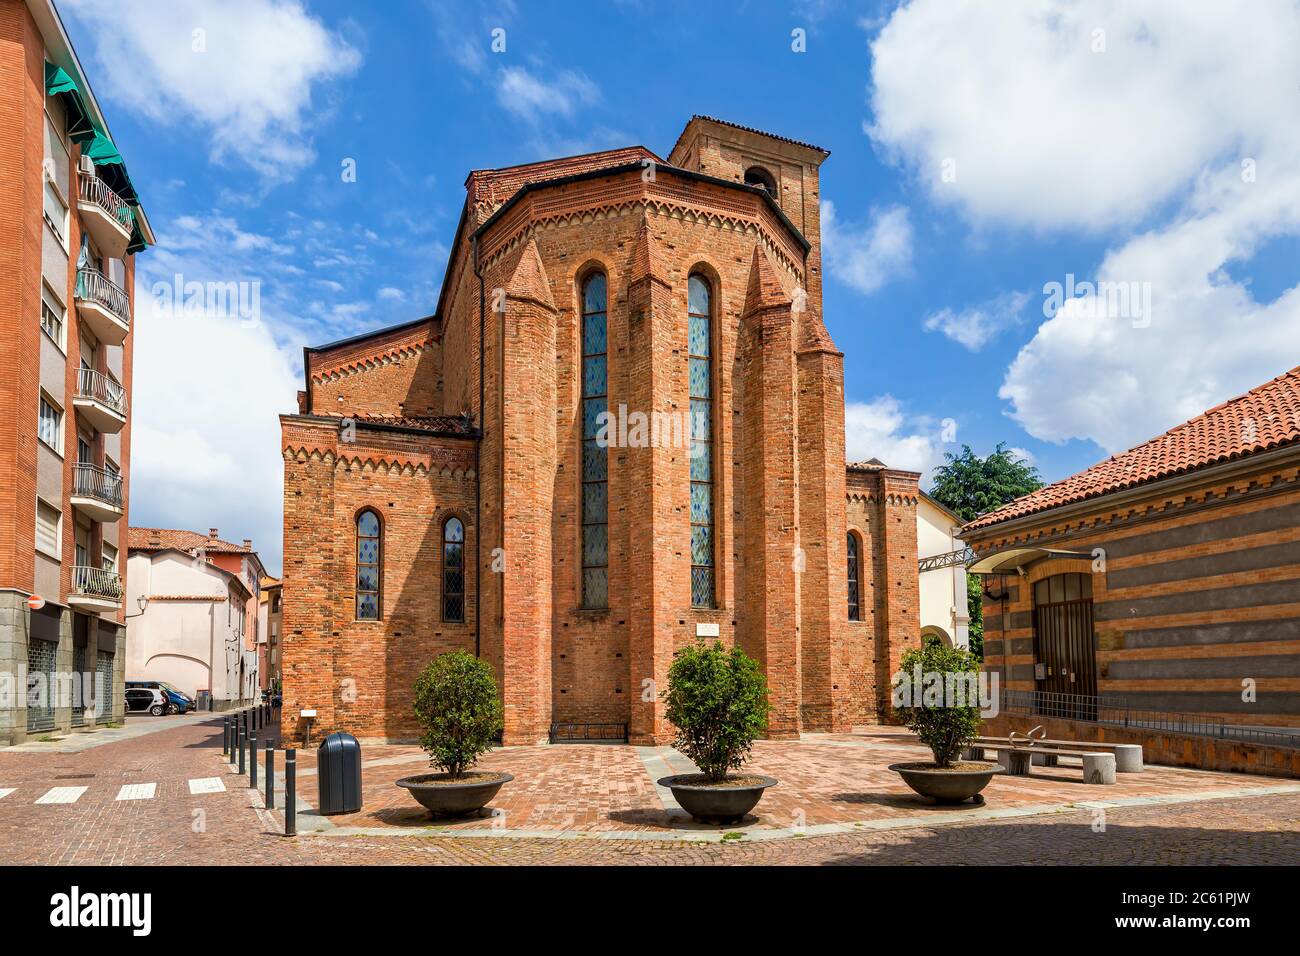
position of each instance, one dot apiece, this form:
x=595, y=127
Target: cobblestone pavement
x=198, y=811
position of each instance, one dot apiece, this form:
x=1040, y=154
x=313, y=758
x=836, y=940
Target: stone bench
x=1098, y=768
x=1128, y=757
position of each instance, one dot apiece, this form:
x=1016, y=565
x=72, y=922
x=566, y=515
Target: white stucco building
x=198, y=628
x=944, y=612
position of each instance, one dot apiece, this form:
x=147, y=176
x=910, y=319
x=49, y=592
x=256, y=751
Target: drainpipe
x=478, y=484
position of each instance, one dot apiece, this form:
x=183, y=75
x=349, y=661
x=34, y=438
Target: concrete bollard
x=1099, y=768
x=1128, y=758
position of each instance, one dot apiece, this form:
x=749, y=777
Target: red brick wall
x=21, y=152
x=358, y=675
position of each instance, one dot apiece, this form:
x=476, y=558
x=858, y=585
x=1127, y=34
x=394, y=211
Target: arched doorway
x=930, y=634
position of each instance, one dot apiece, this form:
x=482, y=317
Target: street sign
x=36, y=602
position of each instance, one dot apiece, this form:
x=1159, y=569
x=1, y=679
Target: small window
x=758, y=176
x=453, y=571
x=52, y=316
x=50, y=426
x=47, y=529
x=368, y=566
x=56, y=212
x=855, y=606
x=110, y=558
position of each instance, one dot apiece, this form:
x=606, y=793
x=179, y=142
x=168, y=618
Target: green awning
x=109, y=165
x=58, y=83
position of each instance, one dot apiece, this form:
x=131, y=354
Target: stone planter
x=438, y=794
x=953, y=785
x=725, y=802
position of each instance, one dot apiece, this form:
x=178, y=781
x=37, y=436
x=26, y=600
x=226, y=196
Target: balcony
x=105, y=215
x=100, y=400
x=97, y=492
x=103, y=306
x=95, y=590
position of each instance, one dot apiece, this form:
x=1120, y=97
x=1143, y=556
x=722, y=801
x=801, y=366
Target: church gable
x=394, y=371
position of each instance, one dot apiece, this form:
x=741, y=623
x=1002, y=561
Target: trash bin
x=338, y=774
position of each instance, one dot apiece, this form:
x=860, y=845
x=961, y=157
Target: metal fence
x=1118, y=712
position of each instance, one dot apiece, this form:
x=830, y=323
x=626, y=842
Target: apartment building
x=268, y=632
x=198, y=626
x=70, y=227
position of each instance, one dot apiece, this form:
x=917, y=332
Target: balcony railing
x=97, y=583
x=95, y=190
x=94, y=286
x=101, y=388
x=91, y=481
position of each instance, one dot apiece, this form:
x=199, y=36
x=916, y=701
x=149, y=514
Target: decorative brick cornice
x=427, y=465
x=378, y=360
x=525, y=228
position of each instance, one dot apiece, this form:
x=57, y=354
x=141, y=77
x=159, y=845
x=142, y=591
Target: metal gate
x=40, y=699
x=1065, y=646
x=103, y=687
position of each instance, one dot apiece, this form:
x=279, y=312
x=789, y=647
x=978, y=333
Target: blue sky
x=978, y=153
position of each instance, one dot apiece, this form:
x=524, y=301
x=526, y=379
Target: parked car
x=150, y=700
x=174, y=701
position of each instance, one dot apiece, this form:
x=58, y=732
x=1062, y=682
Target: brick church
x=621, y=429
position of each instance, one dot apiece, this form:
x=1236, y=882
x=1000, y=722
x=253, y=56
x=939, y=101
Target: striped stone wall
x=1196, y=595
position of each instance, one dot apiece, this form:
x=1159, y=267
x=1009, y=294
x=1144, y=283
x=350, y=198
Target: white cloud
x=205, y=441
x=880, y=429
x=250, y=86
x=532, y=97
x=391, y=294
x=976, y=325
x=866, y=257
x=1185, y=121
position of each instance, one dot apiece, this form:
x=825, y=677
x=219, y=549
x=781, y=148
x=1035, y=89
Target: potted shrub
x=717, y=700
x=942, y=708
x=457, y=705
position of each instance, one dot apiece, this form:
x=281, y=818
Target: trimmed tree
x=717, y=700
x=944, y=729
x=970, y=486
x=457, y=706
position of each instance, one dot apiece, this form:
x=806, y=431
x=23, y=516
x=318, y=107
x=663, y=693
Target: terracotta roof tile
x=1263, y=418
x=457, y=424
x=158, y=539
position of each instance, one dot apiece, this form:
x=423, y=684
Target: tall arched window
x=595, y=454
x=453, y=571
x=855, y=605
x=700, y=351
x=369, y=565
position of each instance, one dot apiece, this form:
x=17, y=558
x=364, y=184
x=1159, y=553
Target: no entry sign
x=36, y=602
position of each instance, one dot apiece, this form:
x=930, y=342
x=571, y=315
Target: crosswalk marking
x=207, y=785
x=62, y=795
x=137, y=791
x=5, y=791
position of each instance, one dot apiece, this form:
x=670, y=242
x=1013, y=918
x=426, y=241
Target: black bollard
x=252, y=762
x=290, y=797
x=242, y=741
x=225, y=736
x=270, y=776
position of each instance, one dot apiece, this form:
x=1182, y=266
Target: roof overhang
x=1013, y=559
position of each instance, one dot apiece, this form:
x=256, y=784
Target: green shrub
x=457, y=705
x=717, y=700
x=944, y=729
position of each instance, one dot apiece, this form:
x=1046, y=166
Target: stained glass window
x=855, y=607
x=595, y=453
x=453, y=570
x=700, y=374
x=368, y=566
